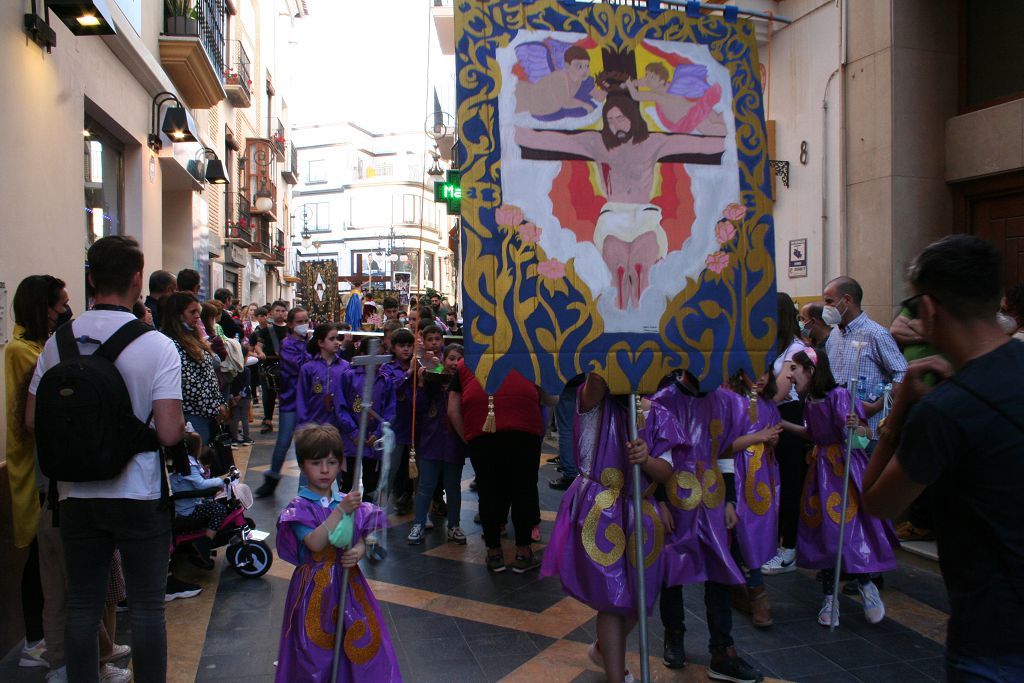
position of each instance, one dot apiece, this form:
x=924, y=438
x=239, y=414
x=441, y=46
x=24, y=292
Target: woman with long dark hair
x=791, y=452
x=201, y=397
x=38, y=303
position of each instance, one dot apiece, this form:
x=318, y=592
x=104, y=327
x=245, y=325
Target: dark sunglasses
x=913, y=304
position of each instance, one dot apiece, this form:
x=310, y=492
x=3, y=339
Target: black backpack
x=85, y=427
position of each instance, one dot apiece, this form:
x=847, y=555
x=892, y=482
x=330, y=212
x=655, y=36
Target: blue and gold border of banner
x=544, y=325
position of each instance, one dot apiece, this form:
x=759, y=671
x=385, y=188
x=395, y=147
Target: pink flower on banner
x=724, y=231
x=529, y=233
x=734, y=212
x=508, y=214
x=718, y=262
x=552, y=269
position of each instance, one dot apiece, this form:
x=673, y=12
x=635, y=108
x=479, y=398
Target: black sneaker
x=266, y=428
x=266, y=489
x=525, y=563
x=122, y=606
x=674, y=654
x=495, y=562
x=562, y=483
x=176, y=588
x=727, y=666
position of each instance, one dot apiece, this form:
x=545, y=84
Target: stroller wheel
x=251, y=560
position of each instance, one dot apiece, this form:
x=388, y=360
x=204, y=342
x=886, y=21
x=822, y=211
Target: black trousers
x=371, y=476
x=32, y=595
x=791, y=453
x=269, y=401
x=717, y=606
x=506, y=465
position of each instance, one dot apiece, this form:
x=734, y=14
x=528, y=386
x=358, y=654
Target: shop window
x=104, y=183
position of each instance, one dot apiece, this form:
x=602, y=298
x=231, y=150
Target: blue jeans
x=90, y=529
x=285, y=431
x=203, y=427
x=451, y=474
x=564, y=417
x=995, y=669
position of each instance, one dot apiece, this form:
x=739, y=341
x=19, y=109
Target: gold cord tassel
x=489, y=423
x=414, y=470
x=641, y=421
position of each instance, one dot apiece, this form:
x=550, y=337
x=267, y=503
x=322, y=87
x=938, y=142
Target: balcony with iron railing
x=261, y=177
x=278, y=249
x=192, y=49
x=239, y=223
x=277, y=141
x=237, y=81
x=290, y=170
x=261, y=246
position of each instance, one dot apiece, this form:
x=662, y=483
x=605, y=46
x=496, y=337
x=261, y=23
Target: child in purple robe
x=868, y=542
x=590, y=548
x=320, y=384
x=322, y=533
x=348, y=409
x=440, y=452
x=755, y=483
x=396, y=384
x=698, y=429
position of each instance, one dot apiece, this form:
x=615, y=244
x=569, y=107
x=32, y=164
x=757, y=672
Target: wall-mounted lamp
x=175, y=124
x=214, y=167
x=82, y=17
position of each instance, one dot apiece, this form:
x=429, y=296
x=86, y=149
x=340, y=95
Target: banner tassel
x=489, y=424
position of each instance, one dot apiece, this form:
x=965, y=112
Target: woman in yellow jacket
x=38, y=302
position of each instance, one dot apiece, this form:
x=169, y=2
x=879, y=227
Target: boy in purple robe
x=595, y=529
x=440, y=452
x=396, y=385
x=320, y=382
x=755, y=480
x=698, y=429
x=322, y=533
x=347, y=413
x=868, y=541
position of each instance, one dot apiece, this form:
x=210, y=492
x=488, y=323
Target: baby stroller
x=247, y=549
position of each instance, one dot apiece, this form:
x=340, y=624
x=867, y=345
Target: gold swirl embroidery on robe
x=758, y=496
x=357, y=405
x=835, y=502
x=706, y=486
x=358, y=630
x=613, y=481
x=658, y=540
x=314, y=618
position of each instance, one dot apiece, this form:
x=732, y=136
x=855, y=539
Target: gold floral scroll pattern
x=533, y=314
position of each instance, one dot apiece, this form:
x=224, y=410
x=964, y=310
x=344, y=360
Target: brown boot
x=741, y=599
x=761, y=611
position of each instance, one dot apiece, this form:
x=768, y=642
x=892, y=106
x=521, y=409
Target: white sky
x=364, y=62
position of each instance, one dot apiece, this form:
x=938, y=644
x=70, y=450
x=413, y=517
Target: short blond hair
x=656, y=69
x=316, y=442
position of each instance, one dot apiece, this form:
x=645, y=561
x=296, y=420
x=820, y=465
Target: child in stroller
x=200, y=510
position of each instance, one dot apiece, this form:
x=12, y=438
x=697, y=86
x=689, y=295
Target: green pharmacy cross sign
x=449, y=191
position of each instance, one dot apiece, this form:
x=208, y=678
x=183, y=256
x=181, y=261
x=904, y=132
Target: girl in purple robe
x=441, y=453
x=322, y=533
x=868, y=542
x=590, y=545
x=755, y=481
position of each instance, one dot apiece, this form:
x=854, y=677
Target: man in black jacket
x=232, y=330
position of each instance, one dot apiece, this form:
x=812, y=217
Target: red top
x=516, y=404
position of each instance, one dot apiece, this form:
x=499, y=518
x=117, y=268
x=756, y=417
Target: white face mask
x=301, y=330
x=831, y=316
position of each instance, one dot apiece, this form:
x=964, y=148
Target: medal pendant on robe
x=318, y=387
x=357, y=405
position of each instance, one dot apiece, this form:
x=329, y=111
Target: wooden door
x=993, y=209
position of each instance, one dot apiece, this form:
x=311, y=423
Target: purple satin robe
x=757, y=489
x=696, y=430
x=435, y=438
x=591, y=547
x=319, y=391
x=868, y=542
x=310, y=619
x=350, y=409
x=293, y=357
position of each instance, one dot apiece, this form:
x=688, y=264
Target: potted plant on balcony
x=182, y=18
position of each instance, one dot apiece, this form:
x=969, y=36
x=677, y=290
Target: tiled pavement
x=452, y=621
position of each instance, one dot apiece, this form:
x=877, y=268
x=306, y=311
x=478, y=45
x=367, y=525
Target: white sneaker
x=874, y=608
x=58, y=675
x=33, y=656
x=111, y=674
x=783, y=562
x=457, y=535
x=825, y=613
x=118, y=652
x=415, y=536
x=429, y=524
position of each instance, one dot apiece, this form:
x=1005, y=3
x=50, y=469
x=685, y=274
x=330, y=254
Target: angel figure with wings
x=683, y=101
x=554, y=80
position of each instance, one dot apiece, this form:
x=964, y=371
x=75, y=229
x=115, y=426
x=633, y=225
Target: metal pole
x=357, y=482
x=852, y=388
x=638, y=526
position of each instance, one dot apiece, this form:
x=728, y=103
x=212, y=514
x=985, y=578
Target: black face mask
x=63, y=317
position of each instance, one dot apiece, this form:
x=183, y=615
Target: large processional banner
x=616, y=207
x=320, y=289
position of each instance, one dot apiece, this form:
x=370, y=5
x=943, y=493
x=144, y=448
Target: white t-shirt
x=795, y=347
x=151, y=370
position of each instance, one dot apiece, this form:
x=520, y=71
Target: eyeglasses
x=913, y=304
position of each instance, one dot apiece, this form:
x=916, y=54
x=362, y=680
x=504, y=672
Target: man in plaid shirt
x=880, y=361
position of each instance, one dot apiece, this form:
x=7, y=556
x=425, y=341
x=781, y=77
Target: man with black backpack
x=105, y=396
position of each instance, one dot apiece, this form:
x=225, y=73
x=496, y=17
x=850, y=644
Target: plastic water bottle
x=876, y=392
x=861, y=387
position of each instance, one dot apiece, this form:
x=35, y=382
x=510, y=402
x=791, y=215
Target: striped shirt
x=880, y=361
